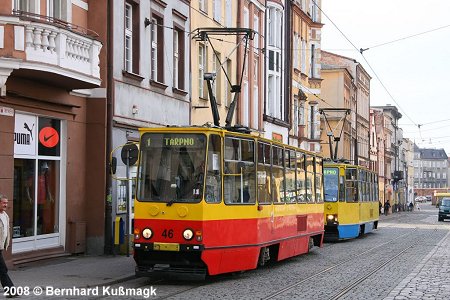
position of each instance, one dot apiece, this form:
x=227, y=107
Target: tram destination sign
x=330, y=171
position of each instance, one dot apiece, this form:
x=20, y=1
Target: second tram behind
x=351, y=201
x=212, y=201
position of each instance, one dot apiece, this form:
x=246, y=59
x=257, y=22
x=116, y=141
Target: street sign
x=6, y=111
x=132, y=151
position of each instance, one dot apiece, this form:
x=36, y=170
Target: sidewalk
x=78, y=271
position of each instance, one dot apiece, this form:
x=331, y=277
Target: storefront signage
x=25, y=135
x=6, y=111
x=49, y=136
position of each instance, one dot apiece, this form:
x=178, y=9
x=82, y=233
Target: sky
x=407, y=55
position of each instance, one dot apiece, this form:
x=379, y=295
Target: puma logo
x=25, y=125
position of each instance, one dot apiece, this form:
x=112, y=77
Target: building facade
x=393, y=137
x=250, y=105
x=215, y=55
x=53, y=126
x=149, y=83
x=360, y=113
x=338, y=90
x=305, y=70
x=430, y=171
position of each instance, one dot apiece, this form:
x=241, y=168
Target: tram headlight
x=332, y=218
x=188, y=234
x=147, y=233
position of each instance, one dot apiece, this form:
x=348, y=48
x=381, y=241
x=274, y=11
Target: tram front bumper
x=171, y=260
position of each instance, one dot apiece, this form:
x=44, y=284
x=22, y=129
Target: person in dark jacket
x=387, y=205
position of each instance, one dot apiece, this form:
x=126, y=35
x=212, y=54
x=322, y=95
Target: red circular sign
x=49, y=137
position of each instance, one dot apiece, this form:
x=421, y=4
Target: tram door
x=265, y=179
x=362, y=187
x=352, y=196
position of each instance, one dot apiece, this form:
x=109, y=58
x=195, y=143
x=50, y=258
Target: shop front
x=39, y=183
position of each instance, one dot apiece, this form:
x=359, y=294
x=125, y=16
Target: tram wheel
x=310, y=243
x=264, y=256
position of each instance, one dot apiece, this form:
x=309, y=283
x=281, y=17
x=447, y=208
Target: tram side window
x=264, y=173
x=310, y=186
x=278, y=174
x=213, y=190
x=240, y=172
x=341, y=188
x=376, y=194
x=289, y=164
x=351, y=185
x=301, y=177
x=318, y=182
x=363, y=185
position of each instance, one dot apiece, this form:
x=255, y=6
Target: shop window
x=37, y=155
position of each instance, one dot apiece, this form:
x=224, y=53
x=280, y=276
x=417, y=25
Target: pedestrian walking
x=387, y=205
x=417, y=206
x=4, y=243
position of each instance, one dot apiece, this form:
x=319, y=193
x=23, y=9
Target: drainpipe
x=109, y=115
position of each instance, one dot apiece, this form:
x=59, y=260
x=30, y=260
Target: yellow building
x=212, y=57
x=338, y=90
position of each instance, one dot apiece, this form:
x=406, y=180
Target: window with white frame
x=303, y=56
x=25, y=6
x=295, y=50
x=217, y=85
x=246, y=17
x=228, y=13
x=57, y=9
x=314, y=10
x=255, y=70
x=154, y=51
x=275, y=97
x=228, y=94
x=176, y=58
x=313, y=60
x=201, y=70
x=202, y=5
x=128, y=37
x=217, y=13
x=256, y=38
x=301, y=110
x=246, y=104
x=255, y=109
x=296, y=115
x=131, y=37
x=157, y=49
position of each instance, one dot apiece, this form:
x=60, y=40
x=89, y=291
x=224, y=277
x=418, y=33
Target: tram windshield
x=331, y=182
x=172, y=167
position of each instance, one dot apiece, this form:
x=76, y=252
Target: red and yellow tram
x=212, y=201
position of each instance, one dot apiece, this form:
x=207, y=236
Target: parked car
x=444, y=209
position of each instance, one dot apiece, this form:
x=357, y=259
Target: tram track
x=176, y=290
x=343, y=262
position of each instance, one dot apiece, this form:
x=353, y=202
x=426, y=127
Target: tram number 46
x=167, y=233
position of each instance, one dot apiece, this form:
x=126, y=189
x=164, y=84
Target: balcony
x=50, y=50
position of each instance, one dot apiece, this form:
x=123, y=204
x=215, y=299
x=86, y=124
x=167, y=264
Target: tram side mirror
x=113, y=165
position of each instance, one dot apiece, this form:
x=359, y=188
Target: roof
x=438, y=154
